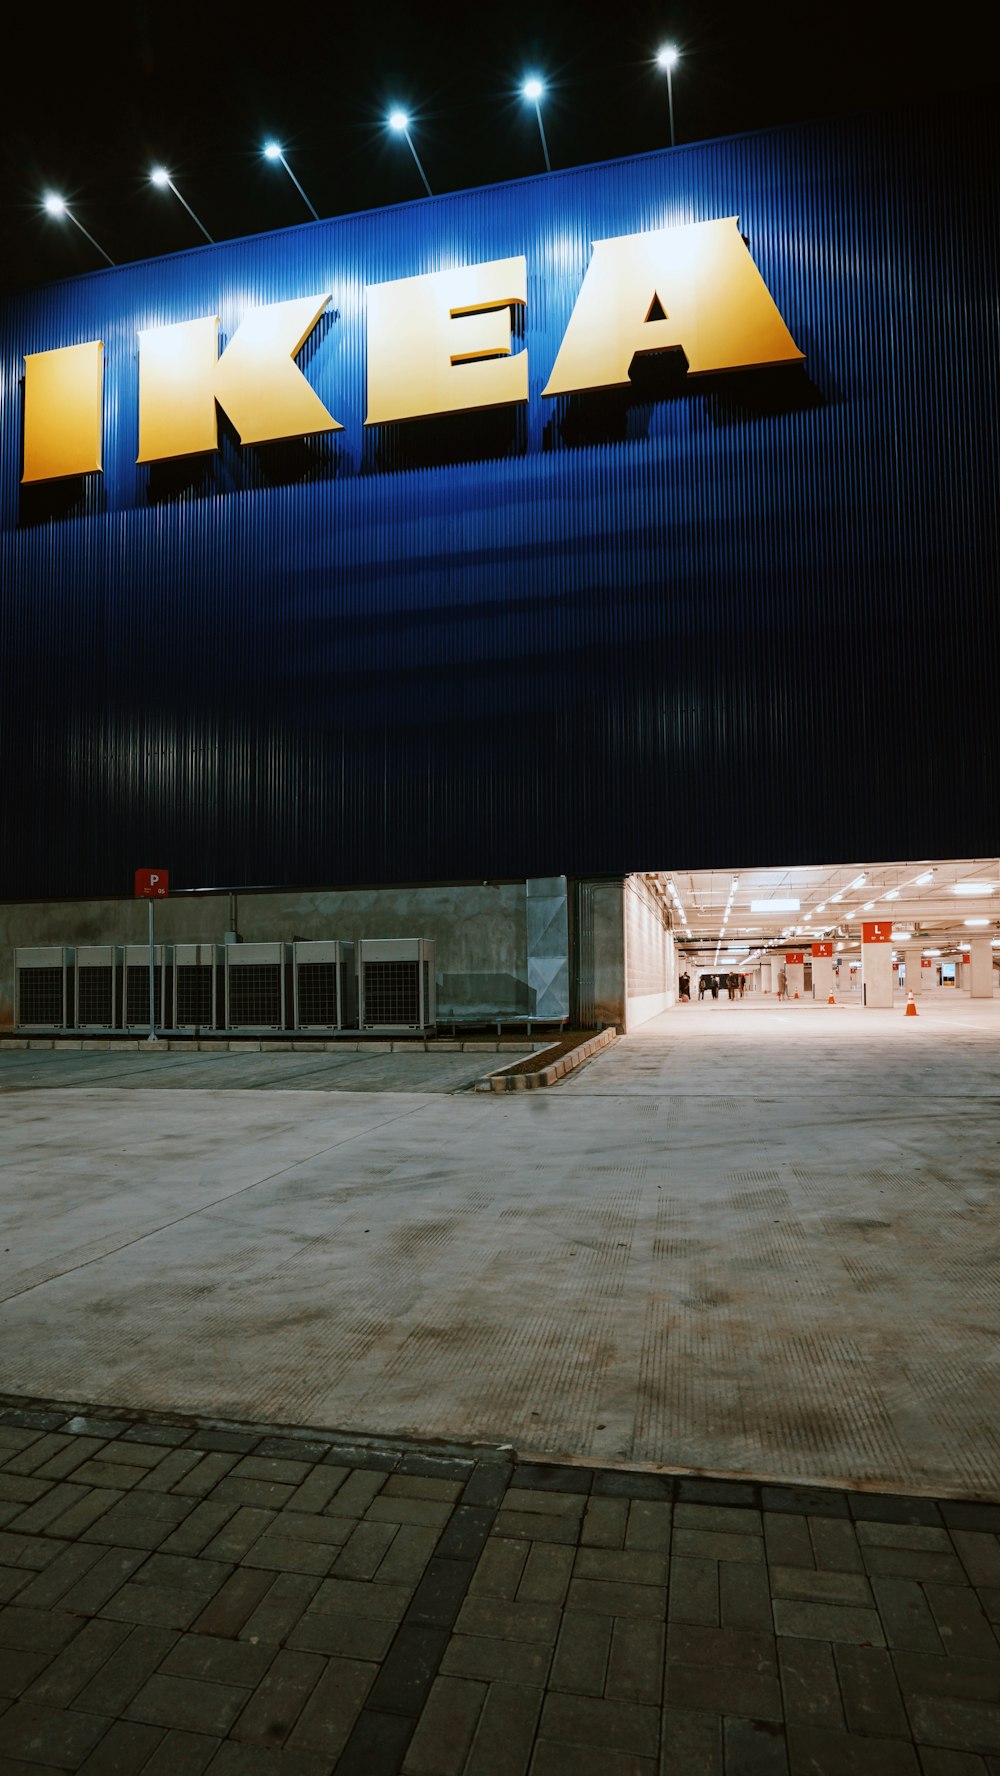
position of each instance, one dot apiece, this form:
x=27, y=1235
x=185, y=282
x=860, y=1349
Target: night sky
x=97, y=93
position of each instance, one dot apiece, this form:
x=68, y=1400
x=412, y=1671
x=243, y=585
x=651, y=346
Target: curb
x=556, y=1070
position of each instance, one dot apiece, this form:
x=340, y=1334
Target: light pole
x=163, y=182
x=534, y=90
x=54, y=205
x=274, y=151
x=667, y=58
x=399, y=122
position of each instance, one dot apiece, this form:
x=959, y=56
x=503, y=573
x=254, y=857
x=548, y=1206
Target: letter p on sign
x=152, y=884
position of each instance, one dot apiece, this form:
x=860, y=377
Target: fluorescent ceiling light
x=974, y=887
x=918, y=881
x=976, y=921
x=855, y=884
x=775, y=906
x=901, y=936
x=893, y=894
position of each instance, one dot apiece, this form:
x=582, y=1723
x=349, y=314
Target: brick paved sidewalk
x=180, y=1599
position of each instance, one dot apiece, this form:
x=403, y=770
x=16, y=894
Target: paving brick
x=720, y=1646
x=903, y=1535
x=823, y=1587
x=201, y=1525
x=33, y=1552
x=625, y=1566
x=356, y=1493
x=318, y=1488
x=547, y=1573
x=13, y=1580
x=107, y=1473
x=422, y=1486
x=218, y=1661
x=989, y=1597
x=786, y=1540
x=13, y=1438
x=601, y=1723
x=226, y=1442
x=45, y=1588
x=59, y=1737
x=42, y=1450
x=551, y=1477
x=241, y=1531
x=508, y=1621
x=635, y=1667
x=828, y=1621
x=809, y=1683
x=755, y=1748
x=465, y=1535
x=376, y=1746
x=175, y=1467
x=721, y=1689
x=255, y=1467
x=407, y=1555
x=723, y=1519
x=505, y=1734
x=606, y=1598
x=90, y=1507
x=812, y=1751
x=164, y=1434
x=532, y=1526
x=443, y=1467
x=32, y=1418
x=234, y=1759
x=386, y=1603
x=208, y=1472
x=649, y=1526
x=604, y=1523
x=132, y=1524
x=961, y=1621
x=906, y=1616
x=914, y=1563
x=110, y=1571
x=445, y=1730
x=835, y=1545
x=744, y=1598
x=191, y=1703
x=362, y=1459
x=486, y=1485
x=38, y=1517
x=980, y=1555
x=959, y=1514
x=696, y=1490
x=233, y=1603
x=807, y=1501
x=307, y=1449
x=500, y=1567
x=264, y=1495
x=516, y=1661
x=19, y=1668
x=61, y=1682
x=935, y=1761
x=364, y=1550
x=936, y=1675
x=411, y=1665
x=622, y=1485
x=548, y=1503
x=705, y=1544
x=692, y=1743
x=583, y=1649
x=876, y=1508
x=693, y=1593
x=132, y=1454
x=277, y=1553
x=438, y=1597
x=872, y=1702
x=276, y=1704
x=87, y=1425
x=22, y=1489
x=34, y=1630
x=345, y=1633
x=124, y=1750
x=156, y=1606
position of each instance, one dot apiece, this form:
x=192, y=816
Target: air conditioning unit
x=396, y=986
x=135, y=1006
x=255, y=986
x=41, y=988
x=195, y=978
x=323, y=985
x=97, y=968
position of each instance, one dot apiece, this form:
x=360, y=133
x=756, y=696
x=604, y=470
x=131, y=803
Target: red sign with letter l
x=877, y=931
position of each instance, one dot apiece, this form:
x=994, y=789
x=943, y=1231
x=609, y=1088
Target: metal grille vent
x=137, y=994
x=317, y=985
x=40, y=993
x=94, y=995
x=392, y=992
x=194, y=993
x=255, y=995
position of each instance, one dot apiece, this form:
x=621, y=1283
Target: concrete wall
x=480, y=932
x=650, y=974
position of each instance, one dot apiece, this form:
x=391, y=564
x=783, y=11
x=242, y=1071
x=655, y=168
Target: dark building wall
x=741, y=622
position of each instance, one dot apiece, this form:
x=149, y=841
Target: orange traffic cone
x=794, y=995
x=831, y=1000
x=911, y=1005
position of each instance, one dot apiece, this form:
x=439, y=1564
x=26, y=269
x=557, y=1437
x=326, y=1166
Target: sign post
x=150, y=885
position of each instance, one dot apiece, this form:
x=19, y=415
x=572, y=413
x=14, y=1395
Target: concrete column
x=822, y=976
x=981, y=968
x=876, y=975
x=914, y=982
x=777, y=970
x=765, y=974
x=796, y=977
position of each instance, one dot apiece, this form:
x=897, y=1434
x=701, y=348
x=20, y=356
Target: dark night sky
x=95, y=94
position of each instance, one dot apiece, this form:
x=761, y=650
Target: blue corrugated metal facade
x=748, y=622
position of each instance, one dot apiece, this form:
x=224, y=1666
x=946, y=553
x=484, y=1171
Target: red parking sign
x=152, y=884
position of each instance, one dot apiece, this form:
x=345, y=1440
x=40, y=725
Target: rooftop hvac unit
x=323, y=985
x=195, y=986
x=396, y=987
x=255, y=986
x=97, y=968
x=135, y=1009
x=41, y=988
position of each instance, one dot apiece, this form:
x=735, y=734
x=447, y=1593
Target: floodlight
x=273, y=151
x=54, y=204
x=533, y=90
x=398, y=121
x=667, y=57
x=160, y=178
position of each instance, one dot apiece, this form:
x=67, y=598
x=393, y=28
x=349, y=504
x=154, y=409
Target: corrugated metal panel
x=743, y=624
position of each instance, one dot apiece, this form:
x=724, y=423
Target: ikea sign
x=440, y=343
